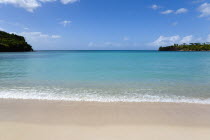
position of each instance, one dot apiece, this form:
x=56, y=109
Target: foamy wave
x=95, y=96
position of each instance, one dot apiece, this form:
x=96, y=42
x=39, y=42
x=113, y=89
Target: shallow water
x=106, y=76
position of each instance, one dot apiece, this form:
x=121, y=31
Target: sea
x=106, y=76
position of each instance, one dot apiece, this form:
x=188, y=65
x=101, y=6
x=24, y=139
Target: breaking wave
x=98, y=95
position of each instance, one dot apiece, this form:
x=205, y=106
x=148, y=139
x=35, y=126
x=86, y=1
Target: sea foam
x=96, y=96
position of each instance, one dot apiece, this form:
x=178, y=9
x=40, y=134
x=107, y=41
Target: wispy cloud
x=167, y=12
x=26, y=28
x=178, y=11
x=13, y=24
x=31, y=5
x=65, y=22
x=40, y=40
x=155, y=7
x=68, y=1
x=55, y=36
x=181, y=11
x=36, y=36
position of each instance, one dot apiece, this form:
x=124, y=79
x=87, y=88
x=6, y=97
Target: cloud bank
x=170, y=40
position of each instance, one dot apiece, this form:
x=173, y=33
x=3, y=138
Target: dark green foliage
x=187, y=47
x=13, y=43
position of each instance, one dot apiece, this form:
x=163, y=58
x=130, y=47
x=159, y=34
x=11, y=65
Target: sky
x=106, y=24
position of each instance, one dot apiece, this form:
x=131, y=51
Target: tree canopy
x=187, y=47
x=13, y=43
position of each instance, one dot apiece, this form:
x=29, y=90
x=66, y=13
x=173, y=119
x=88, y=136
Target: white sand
x=54, y=120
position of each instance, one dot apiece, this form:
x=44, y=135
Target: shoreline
x=36, y=119
x=146, y=110
x=149, y=99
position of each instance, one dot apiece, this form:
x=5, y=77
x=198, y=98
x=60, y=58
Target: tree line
x=187, y=47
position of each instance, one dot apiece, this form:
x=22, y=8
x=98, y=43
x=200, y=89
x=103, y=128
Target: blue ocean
x=106, y=76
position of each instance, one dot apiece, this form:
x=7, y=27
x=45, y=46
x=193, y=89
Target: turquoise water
x=106, y=76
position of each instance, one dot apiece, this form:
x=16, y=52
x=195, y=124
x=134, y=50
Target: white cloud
x=34, y=35
x=37, y=36
x=204, y=9
x=30, y=5
x=167, y=12
x=170, y=40
x=68, y=1
x=186, y=39
x=47, y=0
x=39, y=40
x=164, y=41
x=181, y=11
x=178, y=11
x=155, y=7
x=65, y=22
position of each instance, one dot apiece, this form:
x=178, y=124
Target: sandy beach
x=34, y=119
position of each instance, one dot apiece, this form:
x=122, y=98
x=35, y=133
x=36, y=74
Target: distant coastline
x=187, y=47
x=13, y=43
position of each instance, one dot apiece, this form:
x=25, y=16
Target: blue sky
x=106, y=24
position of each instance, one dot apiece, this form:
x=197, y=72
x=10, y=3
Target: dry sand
x=57, y=120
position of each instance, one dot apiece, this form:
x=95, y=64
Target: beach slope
x=53, y=120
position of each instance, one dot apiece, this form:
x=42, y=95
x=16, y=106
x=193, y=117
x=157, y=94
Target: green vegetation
x=13, y=43
x=187, y=47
